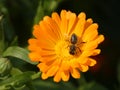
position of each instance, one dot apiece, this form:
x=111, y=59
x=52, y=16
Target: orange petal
x=73, y=63
x=44, y=76
x=90, y=62
x=89, y=45
x=52, y=70
x=46, y=31
x=57, y=77
x=81, y=60
x=51, y=63
x=75, y=73
x=49, y=58
x=90, y=33
x=99, y=39
x=56, y=17
x=33, y=46
x=47, y=53
x=87, y=53
x=35, y=57
x=32, y=41
x=71, y=22
x=52, y=27
x=36, y=31
x=65, y=65
x=64, y=23
x=45, y=41
x=96, y=52
x=89, y=21
x=83, y=68
x=65, y=75
x=80, y=25
x=43, y=67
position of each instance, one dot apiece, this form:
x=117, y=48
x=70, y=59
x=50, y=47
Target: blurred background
x=21, y=15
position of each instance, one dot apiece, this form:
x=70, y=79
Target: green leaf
x=18, y=52
x=45, y=7
x=18, y=81
x=40, y=13
x=14, y=42
x=50, y=5
x=1, y=36
x=15, y=71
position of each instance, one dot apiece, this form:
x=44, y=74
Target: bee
x=73, y=41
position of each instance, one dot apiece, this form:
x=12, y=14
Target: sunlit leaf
x=18, y=52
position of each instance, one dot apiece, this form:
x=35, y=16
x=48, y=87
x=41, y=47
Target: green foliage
x=45, y=7
x=18, y=52
x=5, y=68
x=18, y=80
x=1, y=36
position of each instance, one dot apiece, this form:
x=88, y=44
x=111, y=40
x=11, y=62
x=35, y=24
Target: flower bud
x=5, y=67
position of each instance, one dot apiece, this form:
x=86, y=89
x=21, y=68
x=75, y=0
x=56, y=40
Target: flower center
x=64, y=49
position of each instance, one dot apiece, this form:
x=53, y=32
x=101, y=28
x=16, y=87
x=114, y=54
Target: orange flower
x=63, y=45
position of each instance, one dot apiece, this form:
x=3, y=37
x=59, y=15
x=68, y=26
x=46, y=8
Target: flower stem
x=35, y=76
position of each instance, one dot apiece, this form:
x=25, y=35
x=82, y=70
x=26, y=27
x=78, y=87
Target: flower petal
x=43, y=67
x=83, y=68
x=52, y=70
x=90, y=62
x=47, y=53
x=80, y=24
x=46, y=32
x=89, y=21
x=44, y=39
x=35, y=57
x=89, y=46
x=71, y=23
x=57, y=77
x=65, y=65
x=87, y=53
x=64, y=23
x=56, y=18
x=90, y=33
x=65, y=75
x=75, y=73
x=44, y=76
x=99, y=39
x=36, y=31
x=52, y=27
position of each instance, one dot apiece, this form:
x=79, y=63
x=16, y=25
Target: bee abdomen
x=72, y=50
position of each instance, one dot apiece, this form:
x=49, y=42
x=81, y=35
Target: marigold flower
x=63, y=45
